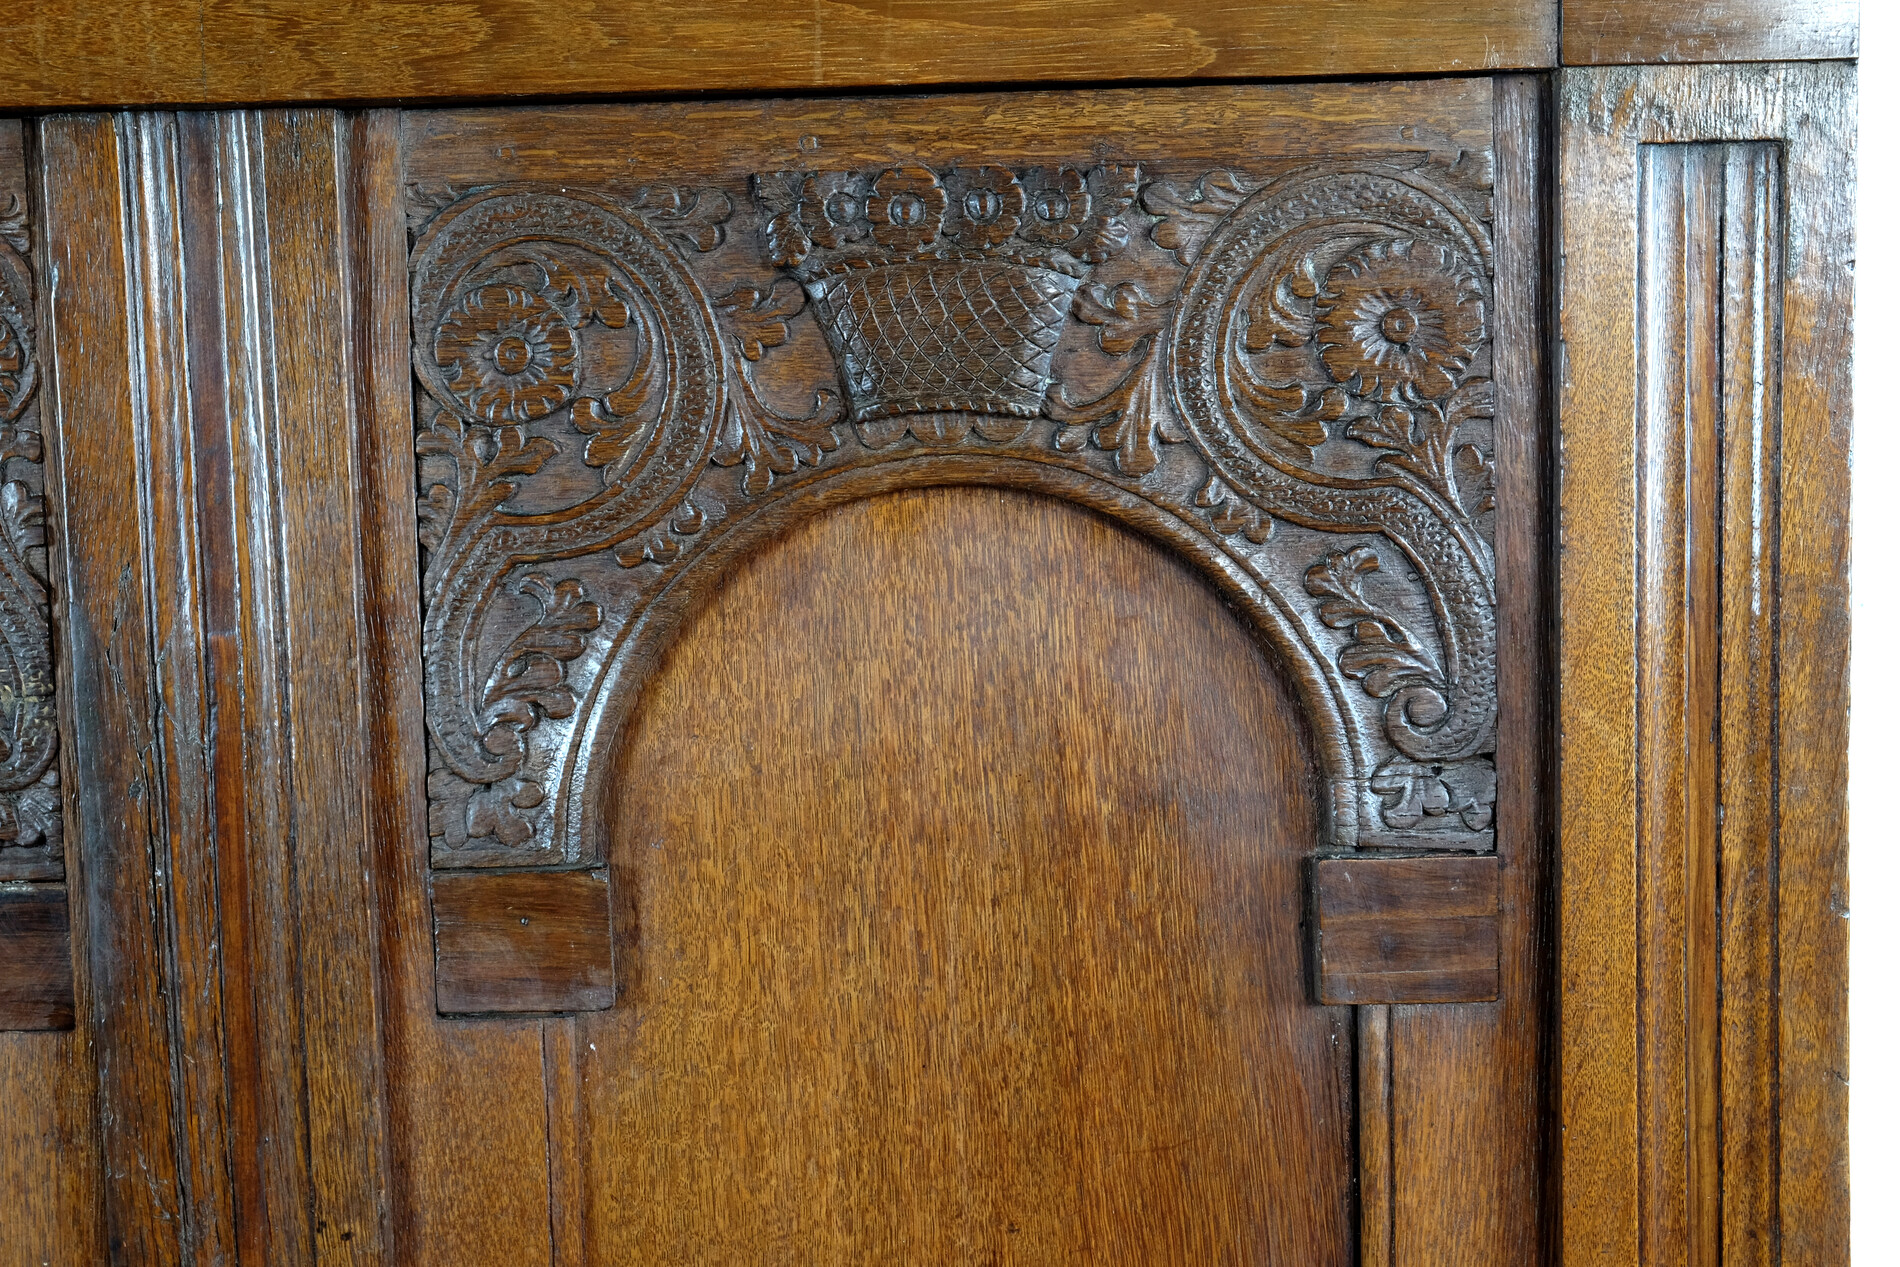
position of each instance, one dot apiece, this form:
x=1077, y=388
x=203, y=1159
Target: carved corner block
x=36, y=960
x=535, y=941
x=1405, y=930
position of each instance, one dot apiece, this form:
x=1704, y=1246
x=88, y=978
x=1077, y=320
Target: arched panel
x=956, y=853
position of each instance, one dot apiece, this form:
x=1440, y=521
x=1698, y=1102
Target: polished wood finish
x=484, y=1160
x=1619, y=32
x=262, y=1069
x=951, y=966
x=32, y=844
x=1703, y=832
x=219, y=789
x=36, y=947
x=36, y=972
x=523, y=942
x=1405, y=930
x=70, y=53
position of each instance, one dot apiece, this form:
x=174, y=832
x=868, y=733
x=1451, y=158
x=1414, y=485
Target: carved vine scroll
x=30, y=830
x=1287, y=377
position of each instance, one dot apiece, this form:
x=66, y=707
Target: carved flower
x=906, y=208
x=990, y=202
x=510, y=354
x=834, y=214
x=1058, y=205
x=1400, y=318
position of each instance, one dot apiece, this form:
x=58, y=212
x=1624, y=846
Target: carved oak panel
x=1282, y=367
x=30, y=828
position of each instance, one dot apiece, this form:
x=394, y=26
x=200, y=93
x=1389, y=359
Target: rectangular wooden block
x=36, y=958
x=523, y=941
x=1405, y=930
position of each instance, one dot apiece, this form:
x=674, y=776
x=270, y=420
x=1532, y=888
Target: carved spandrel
x=1285, y=373
x=30, y=809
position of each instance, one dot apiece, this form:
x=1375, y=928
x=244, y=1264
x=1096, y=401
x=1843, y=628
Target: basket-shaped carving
x=944, y=335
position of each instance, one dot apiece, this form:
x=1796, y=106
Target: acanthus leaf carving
x=1383, y=653
x=1188, y=216
x=1132, y=417
x=767, y=442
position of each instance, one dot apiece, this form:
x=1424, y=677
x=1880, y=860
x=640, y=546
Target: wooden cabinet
x=1241, y=672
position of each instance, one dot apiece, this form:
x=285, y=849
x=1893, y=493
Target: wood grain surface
x=214, y=679
x=36, y=958
x=1405, y=930
x=49, y=1137
x=1618, y=32
x=927, y=956
x=468, y=1142
x=73, y=53
x=1703, y=661
x=631, y=145
x=522, y=942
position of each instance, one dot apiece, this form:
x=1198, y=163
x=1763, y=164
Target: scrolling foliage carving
x=30, y=833
x=1286, y=376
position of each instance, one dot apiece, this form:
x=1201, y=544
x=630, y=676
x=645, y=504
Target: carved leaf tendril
x=1132, y=416
x=487, y=464
x=530, y=680
x=751, y=432
x=1383, y=654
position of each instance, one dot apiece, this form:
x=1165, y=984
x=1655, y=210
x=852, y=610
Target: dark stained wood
x=523, y=942
x=36, y=958
x=67, y=54
x=218, y=794
x=1435, y=134
x=1621, y=32
x=1405, y=930
x=105, y=618
x=49, y=1133
x=1703, y=831
x=32, y=845
x=951, y=963
x=271, y=1066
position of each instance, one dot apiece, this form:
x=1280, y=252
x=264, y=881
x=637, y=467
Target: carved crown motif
x=944, y=293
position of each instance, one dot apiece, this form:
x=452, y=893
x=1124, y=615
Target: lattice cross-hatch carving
x=1284, y=375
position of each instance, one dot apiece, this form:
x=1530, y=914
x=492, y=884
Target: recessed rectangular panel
x=533, y=942
x=1405, y=930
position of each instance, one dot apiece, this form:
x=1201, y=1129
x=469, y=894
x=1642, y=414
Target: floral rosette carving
x=509, y=354
x=1400, y=323
x=551, y=329
x=1328, y=353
